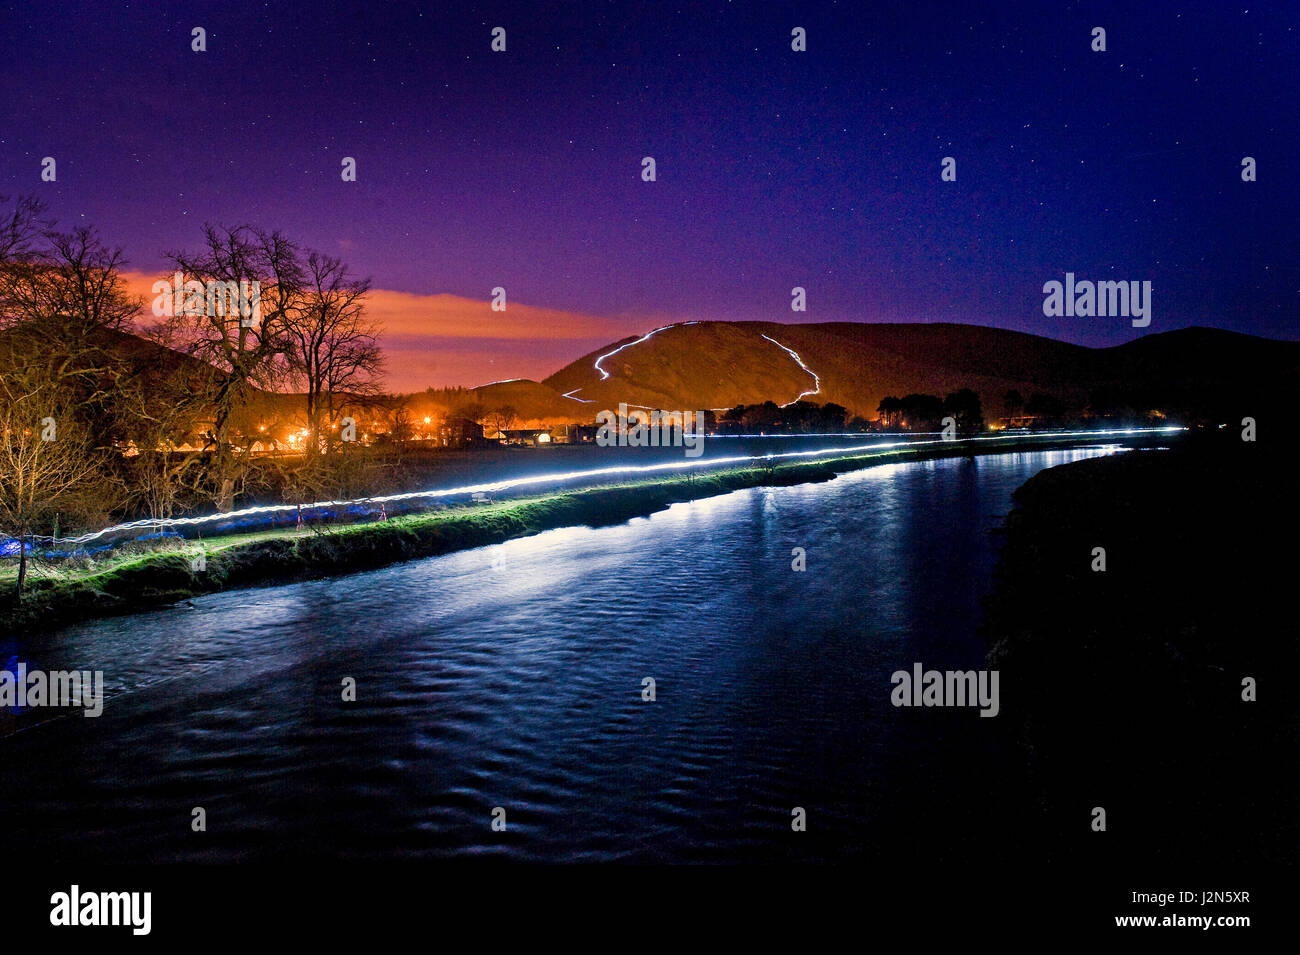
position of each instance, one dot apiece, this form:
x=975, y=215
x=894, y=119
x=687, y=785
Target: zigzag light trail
x=511, y=483
x=600, y=368
x=604, y=375
x=646, y=337
x=817, y=382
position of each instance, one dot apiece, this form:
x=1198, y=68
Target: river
x=512, y=676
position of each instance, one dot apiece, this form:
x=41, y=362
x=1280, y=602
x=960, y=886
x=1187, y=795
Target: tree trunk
x=226, y=499
x=22, y=568
x=313, y=420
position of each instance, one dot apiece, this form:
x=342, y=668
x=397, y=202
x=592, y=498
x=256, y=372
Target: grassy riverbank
x=126, y=583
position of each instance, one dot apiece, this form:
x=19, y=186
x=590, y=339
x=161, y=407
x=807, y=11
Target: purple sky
x=775, y=168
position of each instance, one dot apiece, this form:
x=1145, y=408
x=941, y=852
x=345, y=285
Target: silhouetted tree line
x=1128, y=405
x=801, y=417
x=919, y=412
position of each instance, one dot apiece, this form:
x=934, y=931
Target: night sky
x=775, y=168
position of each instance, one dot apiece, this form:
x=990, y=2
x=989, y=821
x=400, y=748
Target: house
x=527, y=437
x=575, y=434
x=460, y=433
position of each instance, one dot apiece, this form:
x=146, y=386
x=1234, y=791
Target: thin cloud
x=441, y=340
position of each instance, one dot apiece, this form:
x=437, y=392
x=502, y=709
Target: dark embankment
x=161, y=578
x=1123, y=688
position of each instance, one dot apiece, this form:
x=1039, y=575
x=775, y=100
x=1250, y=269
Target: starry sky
x=775, y=168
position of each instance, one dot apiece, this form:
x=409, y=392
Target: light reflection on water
x=511, y=676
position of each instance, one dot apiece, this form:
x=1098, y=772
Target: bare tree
x=161, y=403
x=63, y=311
x=20, y=228
x=501, y=419
x=402, y=421
x=247, y=350
x=470, y=410
x=65, y=305
x=46, y=458
x=332, y=351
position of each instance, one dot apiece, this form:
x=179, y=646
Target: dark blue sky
x=775, y=168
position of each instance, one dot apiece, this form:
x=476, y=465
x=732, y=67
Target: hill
x=531, y=400
x=721, y=364
x=1195, y=372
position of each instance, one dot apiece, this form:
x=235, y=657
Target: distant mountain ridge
x=722, y=364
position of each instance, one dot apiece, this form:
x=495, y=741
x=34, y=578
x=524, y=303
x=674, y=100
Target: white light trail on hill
x=817, y=382
x=646, y=337
x=604, y=374
x=511, y=483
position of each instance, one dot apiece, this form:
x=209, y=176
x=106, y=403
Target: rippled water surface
x=511, y=676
